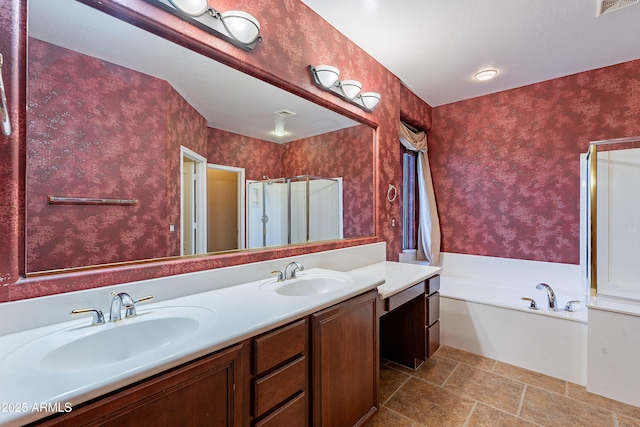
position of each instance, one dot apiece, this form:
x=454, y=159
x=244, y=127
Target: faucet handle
x=143, y=299
x=131, y=311
x=569, y=305
x=533, y=305
x=97, y=319
x=280, y=275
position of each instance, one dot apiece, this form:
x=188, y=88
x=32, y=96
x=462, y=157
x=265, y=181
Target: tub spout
x=551, y=296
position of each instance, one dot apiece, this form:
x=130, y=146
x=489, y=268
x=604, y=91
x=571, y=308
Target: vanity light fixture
x=326, y=77
x=350, y=88
x=370, y=100
x=484, y=75
x=235, y=26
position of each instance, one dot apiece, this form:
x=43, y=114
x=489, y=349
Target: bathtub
x=485, y=315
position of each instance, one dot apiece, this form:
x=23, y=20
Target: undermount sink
x=310, y=283
x=161, y=330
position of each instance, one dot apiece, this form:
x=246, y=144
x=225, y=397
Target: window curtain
x=428, y=222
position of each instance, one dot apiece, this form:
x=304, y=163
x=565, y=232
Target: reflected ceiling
x=196, y=78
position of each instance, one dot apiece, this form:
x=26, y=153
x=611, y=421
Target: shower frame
x=288, y=180
x=592, y=158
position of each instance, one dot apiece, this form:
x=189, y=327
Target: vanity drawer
x=274, y=388
x=433, y=308
x=403, y=297
x=433, y=338
x=274, y=348
x=433, y=285
x=292, y=414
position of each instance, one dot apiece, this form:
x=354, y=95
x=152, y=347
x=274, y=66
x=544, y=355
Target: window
x=409, y=232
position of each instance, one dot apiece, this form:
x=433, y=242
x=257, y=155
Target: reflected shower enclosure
x=293, y=210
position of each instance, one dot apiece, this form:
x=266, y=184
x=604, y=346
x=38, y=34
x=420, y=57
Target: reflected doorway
x=193, y=208
x=225, y=208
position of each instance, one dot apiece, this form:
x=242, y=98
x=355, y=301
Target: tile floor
x=456, y=388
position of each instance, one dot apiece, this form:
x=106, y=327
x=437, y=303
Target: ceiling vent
x=285, y=113
x=607, y=6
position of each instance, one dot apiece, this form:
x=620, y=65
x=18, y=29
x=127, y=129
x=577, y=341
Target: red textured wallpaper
x=414, y=111
x=99, y=130
x=185, y=127
x=506, y=166
x=293, y=37
x=345, y=153
x=330, y=155
x=259, y=158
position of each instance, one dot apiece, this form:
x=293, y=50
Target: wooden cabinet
x=402, y=335
x=345, y=362
x=410, y=327
x=280, y=376
x=207, y=392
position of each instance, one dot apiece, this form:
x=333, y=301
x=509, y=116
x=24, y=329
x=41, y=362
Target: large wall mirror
x=139, y=149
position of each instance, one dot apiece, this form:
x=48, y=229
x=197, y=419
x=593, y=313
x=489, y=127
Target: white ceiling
x=436, y=46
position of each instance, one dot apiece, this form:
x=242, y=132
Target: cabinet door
x=345, y=362
x=207, y=392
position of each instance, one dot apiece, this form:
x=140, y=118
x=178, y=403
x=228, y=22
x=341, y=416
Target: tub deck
x=491, y=320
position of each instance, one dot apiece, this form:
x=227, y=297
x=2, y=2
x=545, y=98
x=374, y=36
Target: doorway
x=225, y=208
x=193, y=207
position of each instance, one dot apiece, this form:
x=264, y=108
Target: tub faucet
x=290, y=270
x=550, y=295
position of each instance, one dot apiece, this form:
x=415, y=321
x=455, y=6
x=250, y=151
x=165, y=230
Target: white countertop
x=239, y=312
x=398, y=275
x=615, y=305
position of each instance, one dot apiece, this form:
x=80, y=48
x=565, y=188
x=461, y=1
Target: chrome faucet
x=551, y=296
x=291, y=268
x=120, y=300
x=123, y=299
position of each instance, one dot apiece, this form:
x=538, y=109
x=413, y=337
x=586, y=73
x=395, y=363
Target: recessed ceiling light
x=485, y=74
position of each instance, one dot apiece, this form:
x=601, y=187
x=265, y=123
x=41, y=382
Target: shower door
x=266, y=213
x=615, y=217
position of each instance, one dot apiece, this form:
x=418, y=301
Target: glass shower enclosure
x=613, y=203
x=298, y=209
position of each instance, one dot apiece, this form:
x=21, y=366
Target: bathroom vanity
x=302, y=351
x=269, y=378
x=409, y=311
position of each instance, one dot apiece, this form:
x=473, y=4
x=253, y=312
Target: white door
x=193, y=206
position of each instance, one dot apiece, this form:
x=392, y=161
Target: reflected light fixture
x=235, y=26
x=327, y=78
x=484, y=75
x=279, y=130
